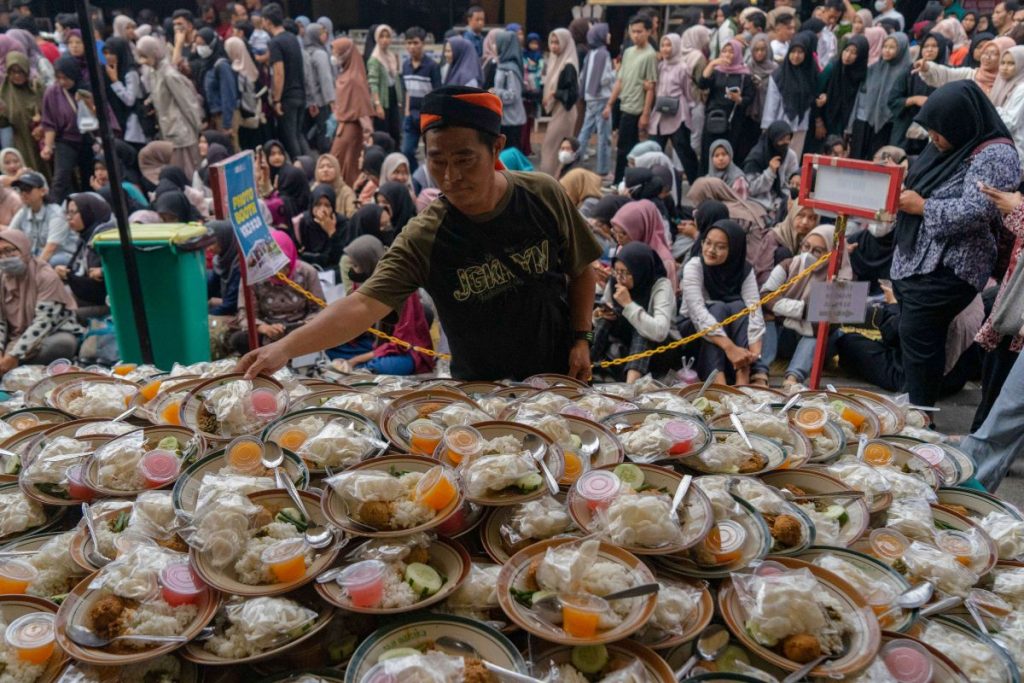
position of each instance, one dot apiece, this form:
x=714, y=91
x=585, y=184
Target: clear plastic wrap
x=599, y=405
x=860, y=476
x=22, y=378
x=674, y=611
x=18, y=512
x=458, y=414
x=536, y=520
x=228, y=482
x=431, y=667
x=366, y=405
x=258, y=624
x=944, y=570
x=477, y=597
x=117, y=463
x=220, y=527
x=231, y=406
x=639, y=519
x=1007, y=532
x=648, y=442
x=904, y=485
x=153, y=515
x=48, y=468
x=392, y=549
x=336, y=445
x=134, y=574
x=490, y=474
x=912, y=517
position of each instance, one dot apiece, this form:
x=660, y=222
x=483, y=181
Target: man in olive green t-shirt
x=634, y=88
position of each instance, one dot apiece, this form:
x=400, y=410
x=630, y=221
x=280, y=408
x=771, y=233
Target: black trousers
x=290, y=127
x=710, y=357
x=392, y=121
x=513, y=136
x=629, y=135
x=681, y=142
x=928, y=304
x=69, y=157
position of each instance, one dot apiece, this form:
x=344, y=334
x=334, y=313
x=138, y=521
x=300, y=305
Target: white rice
x=250, y=568
x=55, y=567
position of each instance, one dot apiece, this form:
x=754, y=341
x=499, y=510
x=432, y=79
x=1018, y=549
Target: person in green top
x=634, y=89
x=383, y=73
x=506, y=258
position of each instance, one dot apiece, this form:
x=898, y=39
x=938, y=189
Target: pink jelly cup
x=77, y=488
x=179, y=585
x=264, y=402
x=58, y=367
x=364, y=582
x=576, y=411
x=930, y=453
x=159, y=467
x=682, y=434
x=907, y=661
x=598, y=488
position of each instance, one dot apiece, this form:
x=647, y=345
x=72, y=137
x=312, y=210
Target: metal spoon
x=740, y=430
x=707, y=383
x=804, y=671
x=940, y=606
x=95, y=556
x=533, y=444
x=466, y=650
x=590, y=441
x=126, y=414
x=862, y=443
x=912, y=598
x=834, y=495
x=677, y=499
x=712, y=642
x=316, y=536
x=86, y=637
x=550, y=608
x=789, y=404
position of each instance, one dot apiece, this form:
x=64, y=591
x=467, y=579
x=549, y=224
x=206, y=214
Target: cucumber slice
x=631, y=475
x=837, y=407
x=540, y=595
x=726, y=662
x=701, y=404
x=342, y=650
x=530, y=483
x=425, y=580
x=398, y=652
x=168, y=443
x=12, y=464
x=577, y=442
x=590, y=659
x=838, y=513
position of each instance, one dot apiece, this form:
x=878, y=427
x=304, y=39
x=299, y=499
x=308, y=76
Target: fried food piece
x=262, y=518
x=376, y=513
x=530, y=580
x=959, y=509
x=787, y=531
x=754, y=463
x=801, y=648
x=418, y=554
x=104, y=615
x=795, y=490
x=174, y=543
x=475, y=672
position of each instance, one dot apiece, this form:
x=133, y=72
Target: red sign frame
x=892, y=200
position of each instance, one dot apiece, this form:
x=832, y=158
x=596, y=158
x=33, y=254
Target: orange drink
x=461, y=443
x=725, y=541
x=245, y=454
x=888, y=544
x=424, y=436
x=291, y=438
x=573, y=468
x=435, y=489
x=877, y=454
x=15, y=576
x=31, y=635
x=122, y=369
x=852, y=416
x=170, y=415
x=957, y=543
x=581, y=613
x=23, y=422
x=286, y=559
x=149, y=390
x=811, y=420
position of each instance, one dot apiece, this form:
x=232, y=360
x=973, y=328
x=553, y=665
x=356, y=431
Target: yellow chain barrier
x=803, y=274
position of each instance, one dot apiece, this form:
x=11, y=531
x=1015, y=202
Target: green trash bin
x=172, y=273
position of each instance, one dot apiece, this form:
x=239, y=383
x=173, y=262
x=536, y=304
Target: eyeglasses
x=9, y=251
x=813, y=251
x=621, y=274
x=716, y=246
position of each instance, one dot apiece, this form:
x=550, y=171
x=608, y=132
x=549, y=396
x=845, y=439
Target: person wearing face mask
x=568, y=156
x=796, y=335
x=219, y=82
x=409, y=324
x=321, y=231
x=886, y=10
x=37, y=312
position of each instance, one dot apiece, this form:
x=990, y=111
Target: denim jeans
x=593, y=122
x=411, y=140
x=391, y=365
x=999, y=439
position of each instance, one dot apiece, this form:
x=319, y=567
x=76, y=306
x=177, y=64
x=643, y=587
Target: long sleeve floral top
x=987, y=336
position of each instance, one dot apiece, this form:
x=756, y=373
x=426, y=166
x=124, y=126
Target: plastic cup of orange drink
x=462, y=443
x=245, y=454
x=291, y=438
x=957, y=543
x=149, y=390
x=888, y=544
x=811, y=420
x=424, y=436
x=878, y=454
x=32, y=636
x=581, y=613
x=15, y=576
x=286, y=559
x=725, y=541
x=436, y=490
x=575, y=466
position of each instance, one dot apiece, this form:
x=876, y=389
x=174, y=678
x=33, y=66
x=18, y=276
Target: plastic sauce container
x=958, y=544
x=424, y=436
x=725, y=541
x=58, y=367
x=811, y=420
x=907, y=661
x=128, y=541
x=264, y=402
x=880, y=602
x=574, y=467
x=364, y=582
x=852, y=416
x=159, y=467
x=682, y=434
x=581, y=614
x=171, y=413
x=888, y=544
x=989, y=603
x=435, y=489
x=77, y=488
x=23, y=422
x=877, y=454
x=286, y=559
x=598, y=488
x=245, y=454
x=770, y=568
x=179, y=585
x=150, y=389
x=32, y=636
x=15, y=576
x=930, y=453
x=462, y=443
x=291, y=438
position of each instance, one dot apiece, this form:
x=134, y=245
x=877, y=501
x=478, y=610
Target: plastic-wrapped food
x=599, y=405
x=230, y=404
x=459, y=414
x=860, y=476
x=382, y=500
x=555, y=427
x=731, y=456
x=922, y=434
x=979, y=662
x=640, y=519
x=826, y=527
x=105, y=428
x=19, y=513
x=912, y=517
x=877, y=672
x=23, y=377
x=760, y=496
x=540, y=519
x=904, y=485
x=575, y=566
x=666, y=400
x=865, y=583
x=648, y=442
x=117, y=463
x=542, y=402
x=259, y=624
x=716, y=488
x=477, y=596
x=430, y=667
x=367, y=405
x=221, y=527
x=213, y=485
x=944, y=570
x=50, y=465
x=99, y=400
x=153, y=514
x=337, y=446
x=134, y=575
x=491, y=474
x=676, y=608
x=1007, y=532
x=1008, y=583
x=493, y=405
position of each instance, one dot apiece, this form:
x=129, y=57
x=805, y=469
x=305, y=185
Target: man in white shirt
x=44, y=222
x=886, y=10
x=782, y=33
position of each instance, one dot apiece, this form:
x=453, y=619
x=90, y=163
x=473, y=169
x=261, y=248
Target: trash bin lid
x=155, y=233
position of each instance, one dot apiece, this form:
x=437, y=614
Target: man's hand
x=271, y=331
x=738, y=356
x=265, y=360
x=579, y=361
x=279, y=109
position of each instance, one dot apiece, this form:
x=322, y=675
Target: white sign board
x=838, y=302
x=851, y=187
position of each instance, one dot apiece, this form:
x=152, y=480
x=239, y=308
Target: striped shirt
x=419, y=81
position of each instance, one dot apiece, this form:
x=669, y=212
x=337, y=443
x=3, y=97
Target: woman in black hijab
x=215, y=153
x=715, y=286
x=369, y=178
x=174, y=207
x=87, y=213
x=223, y=283
x=371, y=219
x=293, y=190
x=601, y=221
x=307, y=165
x=843, y=77
x=384, y=141
x=211, y=137
x=640, y=279
x=945, y=230
x=322, y=231
x=172, y=179
x=276, y=157
x=767, y=185
x=910, y=92
x=793, y=88
x=128, y=81
x=395, y=197
x=706, y=214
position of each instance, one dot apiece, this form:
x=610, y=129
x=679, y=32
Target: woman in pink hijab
x=640, y=221
x=876, y=35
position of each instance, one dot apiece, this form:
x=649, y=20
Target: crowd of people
x=680, y=146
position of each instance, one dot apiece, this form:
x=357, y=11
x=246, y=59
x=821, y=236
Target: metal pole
x=821, y=348
x=120, y=206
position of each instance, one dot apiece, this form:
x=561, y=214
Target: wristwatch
x=583, y=335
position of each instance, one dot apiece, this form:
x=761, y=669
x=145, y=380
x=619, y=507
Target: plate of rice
x=14, y=668
x=58, y=572
x=22, y=515
x=46, y=463
x=229, y=406
x=94, y=397
x=327, y=439
x=114, y=468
